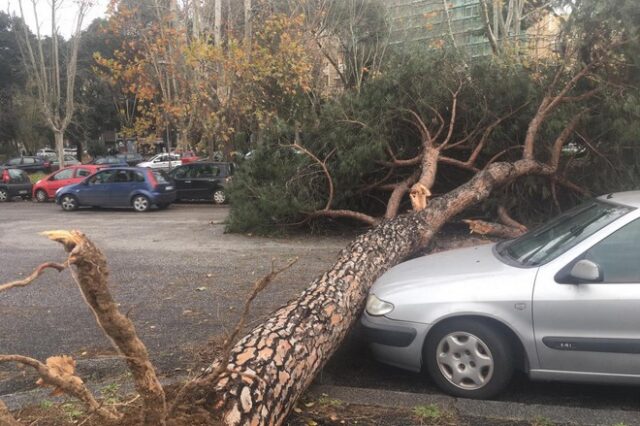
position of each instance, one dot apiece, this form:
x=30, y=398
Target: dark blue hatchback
x=135, y=187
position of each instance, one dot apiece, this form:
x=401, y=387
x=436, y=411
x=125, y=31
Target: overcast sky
x=65, y=17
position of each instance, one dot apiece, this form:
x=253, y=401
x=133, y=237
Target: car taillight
x=5, y=176
x=152, y=179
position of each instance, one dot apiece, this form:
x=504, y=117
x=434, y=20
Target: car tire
x=140, y=203
x=219, y=197
x=69, y=203
x=41, y=196
x=469, y=359
x=4, y=195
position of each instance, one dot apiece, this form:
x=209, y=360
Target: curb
x=500, y=410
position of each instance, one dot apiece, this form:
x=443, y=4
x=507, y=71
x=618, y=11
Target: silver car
x=561, y=302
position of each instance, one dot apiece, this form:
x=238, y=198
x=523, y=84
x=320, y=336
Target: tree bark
x=271, y=366
x=92, y=279
x=58, y=136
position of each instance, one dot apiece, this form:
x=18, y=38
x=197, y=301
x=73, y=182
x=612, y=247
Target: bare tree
x=55, y=92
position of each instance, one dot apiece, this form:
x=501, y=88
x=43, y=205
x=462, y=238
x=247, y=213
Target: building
x=438, y=22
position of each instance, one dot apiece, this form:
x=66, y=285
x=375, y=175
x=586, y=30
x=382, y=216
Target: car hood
x=472, y=274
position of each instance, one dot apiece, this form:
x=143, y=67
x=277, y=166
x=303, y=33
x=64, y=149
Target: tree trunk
x=272, y=365
x=58, y=136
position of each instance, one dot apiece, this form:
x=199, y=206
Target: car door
x=587, y=329
x=58, y=180
x=174, y=161
x=96, y=190
x=125, y=182
x=208, y=177
x=181, y=176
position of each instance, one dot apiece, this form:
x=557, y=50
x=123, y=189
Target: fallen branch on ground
x=34, y=275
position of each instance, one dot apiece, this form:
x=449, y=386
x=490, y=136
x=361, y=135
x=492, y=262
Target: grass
x=36, y=177
x=427, y=412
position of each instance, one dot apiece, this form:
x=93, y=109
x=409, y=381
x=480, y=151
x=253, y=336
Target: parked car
x=14, y=183
x=202, y=181
x=46, y=187
x=162, y=161
x=135, y=187
x=109, y=161
x=561, y=302
x=130, y=158
x=69, y=160
x=29, y=164
x=187, y=156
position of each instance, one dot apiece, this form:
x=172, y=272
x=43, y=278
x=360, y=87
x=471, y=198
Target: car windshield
x=562, y=233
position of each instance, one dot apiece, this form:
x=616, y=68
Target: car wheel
x=69, y=203
x=219, y=197
x=4, y=195
x=41, y=196
x=469, y=359
x=140, y=203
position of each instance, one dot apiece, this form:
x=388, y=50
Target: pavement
x=182, y=280
x=175, y=273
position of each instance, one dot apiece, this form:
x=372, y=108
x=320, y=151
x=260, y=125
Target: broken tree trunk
x=272, y=365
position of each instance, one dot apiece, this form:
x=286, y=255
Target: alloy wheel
x=140, y=203
x=41, y=196
x=4, y=195
x=464, y=360
x=68, y=203
x=219, y=197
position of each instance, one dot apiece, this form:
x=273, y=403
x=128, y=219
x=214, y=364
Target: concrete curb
x=501, y=410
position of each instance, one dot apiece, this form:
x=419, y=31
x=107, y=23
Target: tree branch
x=34, y=275
x=66, y=383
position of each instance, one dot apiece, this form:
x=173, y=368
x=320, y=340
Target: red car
x=46, y=187
x=187, y=156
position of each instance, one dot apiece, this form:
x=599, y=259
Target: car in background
x=45, y=189
x=131, y=158
x=560, y=302
x=29, y=164
x=109, y=161
x=14, y=183
x=202, y=181
x=187, y=156
x=69, y=160
x=162, y=161
x=136, y=187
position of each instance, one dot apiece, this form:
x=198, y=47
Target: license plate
x=22, y=192
x=169, y=188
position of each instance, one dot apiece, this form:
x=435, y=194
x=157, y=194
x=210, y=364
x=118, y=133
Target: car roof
x=627, y=198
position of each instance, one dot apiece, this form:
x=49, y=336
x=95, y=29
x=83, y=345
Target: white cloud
x=65, y=17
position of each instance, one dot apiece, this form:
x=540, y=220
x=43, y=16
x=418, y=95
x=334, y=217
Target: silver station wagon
x=561, y=302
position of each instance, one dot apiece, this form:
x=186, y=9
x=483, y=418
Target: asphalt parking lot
x=182, y=280
x=177, y=275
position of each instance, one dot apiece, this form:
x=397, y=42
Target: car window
x=17, y=174
x=207, y=171
x=617, y=255
x=181, y=172
x=161, y=177
x=544, y=244
x=14, y=161
x=137, y=176
x=69, y=158
x=63, y=174
x=83, y=172
x=28, y=160
x=102, y=177
x=123, y=176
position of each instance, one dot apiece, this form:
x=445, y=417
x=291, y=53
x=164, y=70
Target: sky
x=66, y=14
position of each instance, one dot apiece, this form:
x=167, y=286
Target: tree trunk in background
x=272, y=365
x=217, y=22
x=58, y=136
x=247, y=25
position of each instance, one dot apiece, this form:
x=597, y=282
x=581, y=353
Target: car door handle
x=187, y=181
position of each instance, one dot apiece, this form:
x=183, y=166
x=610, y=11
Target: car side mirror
x=586, y=270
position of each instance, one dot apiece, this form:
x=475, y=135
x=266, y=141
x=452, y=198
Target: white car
x=162, y=161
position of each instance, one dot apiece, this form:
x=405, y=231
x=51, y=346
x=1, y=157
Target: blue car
x=135, y=187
